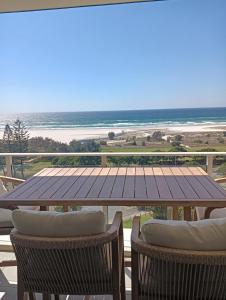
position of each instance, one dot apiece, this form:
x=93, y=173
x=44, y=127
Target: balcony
x=8, y=274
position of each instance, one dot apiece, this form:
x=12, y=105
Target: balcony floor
x=8, y=281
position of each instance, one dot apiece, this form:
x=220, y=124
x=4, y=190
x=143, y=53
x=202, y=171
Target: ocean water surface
x=120, y=119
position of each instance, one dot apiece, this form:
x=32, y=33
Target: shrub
x=222, y=169
x=178, y=138
x=198, y=141
x=157, y=135
x=111, y=135
x=103, y=143
x=221, y=140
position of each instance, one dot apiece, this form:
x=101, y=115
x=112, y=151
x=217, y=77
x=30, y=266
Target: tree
x=157, y=135
x=86, y=146
x=111, y=135
x=20, y=140
x=20, y=136
x=8, y=138
x=178, y=138
x=175, y=144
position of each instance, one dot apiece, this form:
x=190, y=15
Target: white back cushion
x=204, y=235
x=56, y=224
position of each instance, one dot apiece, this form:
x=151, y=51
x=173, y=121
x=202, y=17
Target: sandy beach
x=66, y=135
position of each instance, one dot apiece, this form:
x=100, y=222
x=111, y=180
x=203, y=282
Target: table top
x=132, y=186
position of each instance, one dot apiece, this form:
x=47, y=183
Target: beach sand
x=66, y=135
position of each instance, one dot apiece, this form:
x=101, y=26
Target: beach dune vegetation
x=111, y=135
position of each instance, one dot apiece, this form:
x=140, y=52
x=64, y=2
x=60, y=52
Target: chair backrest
x=164, y=273
x=3, y=189
x=75, y=265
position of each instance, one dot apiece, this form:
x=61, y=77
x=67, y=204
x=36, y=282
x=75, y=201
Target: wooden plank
x=39, y=189
x=69, y=172
x=68, y=185
x=97, y=186
x=200, y=170
x=151, y=185
x=174, y=187
x=140, y=184
x=72, y=191
x=183, y=183
x=197, y=171
x=108, y=184
x=22, y=187
x=197, y=186
x=210, y=186
x=129, y=186
x=118, y=187
x=87, y=185
x=163, y=189
x=40, y=180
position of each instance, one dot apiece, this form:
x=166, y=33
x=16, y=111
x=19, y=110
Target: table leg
x=187, y=213
x=66, y=208
x=44, y=208
x=105, y=211
x=175, y=213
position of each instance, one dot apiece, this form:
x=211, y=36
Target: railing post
x=209, y=164
x=9, y=165
x=104, y=161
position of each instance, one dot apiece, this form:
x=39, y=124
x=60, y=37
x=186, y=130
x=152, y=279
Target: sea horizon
x=119, y=118
x=65, y=126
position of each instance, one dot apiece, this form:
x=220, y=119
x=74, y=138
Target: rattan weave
x=160, y=273
x=88, y=265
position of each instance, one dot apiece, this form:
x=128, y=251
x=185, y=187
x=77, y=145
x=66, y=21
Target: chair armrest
x=220, y=180
x=117, y=223
x=12, y=180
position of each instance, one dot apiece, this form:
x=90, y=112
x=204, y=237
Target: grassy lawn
x=143, y=218
x=135, y=149
x=220, y=148
x=160, y=148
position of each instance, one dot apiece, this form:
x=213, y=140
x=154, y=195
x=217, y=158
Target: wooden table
x=140, y=186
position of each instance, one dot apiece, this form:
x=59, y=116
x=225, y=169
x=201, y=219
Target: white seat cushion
x=57, y=224
x=5, y=218
x=203, y=235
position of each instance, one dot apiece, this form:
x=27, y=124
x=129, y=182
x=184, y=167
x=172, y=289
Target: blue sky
x=151, y=55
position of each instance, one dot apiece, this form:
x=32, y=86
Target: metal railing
x=104, y=157
x=209, y=159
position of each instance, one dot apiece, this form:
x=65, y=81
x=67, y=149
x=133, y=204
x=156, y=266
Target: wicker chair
x=88, y=265
x=5, y=219
x=160, y=273
x=211, y=212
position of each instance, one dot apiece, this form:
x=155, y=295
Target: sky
x=167, y=54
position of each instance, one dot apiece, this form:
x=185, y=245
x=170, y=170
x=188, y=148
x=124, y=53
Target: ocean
x=119, y=119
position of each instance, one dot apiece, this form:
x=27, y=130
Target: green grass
x=163, y=148
x=220, y=148
x=143, y=218
x=135, y=149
